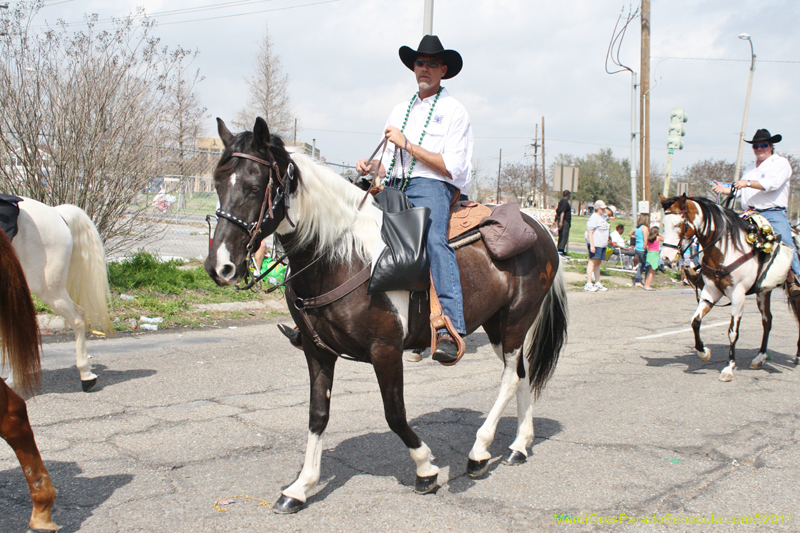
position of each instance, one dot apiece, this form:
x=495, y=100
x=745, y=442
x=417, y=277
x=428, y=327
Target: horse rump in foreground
x=19, y=348
x=63, y=259
x=727, y=268
x=330, y=238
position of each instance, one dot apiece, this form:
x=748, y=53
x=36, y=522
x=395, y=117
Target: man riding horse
x=432, y=138
x=764, y=187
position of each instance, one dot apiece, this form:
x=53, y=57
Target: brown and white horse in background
x=722, y=236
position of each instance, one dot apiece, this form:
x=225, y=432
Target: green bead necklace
x=403, y=183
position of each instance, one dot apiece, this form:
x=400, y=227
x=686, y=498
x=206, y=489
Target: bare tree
x=700, y=174
x=269, y=93
x=516, y=179
x=81, y=114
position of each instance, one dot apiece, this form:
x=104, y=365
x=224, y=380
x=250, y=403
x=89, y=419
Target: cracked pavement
x=181, y=419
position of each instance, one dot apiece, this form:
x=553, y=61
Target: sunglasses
x=432, y=63
x=762, y=145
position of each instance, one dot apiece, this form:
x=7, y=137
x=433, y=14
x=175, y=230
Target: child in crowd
x=653, y=256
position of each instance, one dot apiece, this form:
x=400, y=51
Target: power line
x=722, y=59
x=224, y=5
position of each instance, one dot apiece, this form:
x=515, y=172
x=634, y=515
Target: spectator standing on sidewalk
x=563, y=222
x=653, y=256
x=641, y=233
x=597, y=241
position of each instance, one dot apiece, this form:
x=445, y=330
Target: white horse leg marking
x=309, y=475
x=508, y=387
x=423, y=457
x=525, y=431
x=727, y=372
x=76, y=318
x=758, y=361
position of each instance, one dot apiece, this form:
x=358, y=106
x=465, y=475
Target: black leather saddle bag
x=9, y=212
x=403, y=265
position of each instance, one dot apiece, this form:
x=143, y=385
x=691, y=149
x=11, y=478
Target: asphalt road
x=632, y=423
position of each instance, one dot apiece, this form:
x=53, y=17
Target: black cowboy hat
x=431, y=45
x=763, y=136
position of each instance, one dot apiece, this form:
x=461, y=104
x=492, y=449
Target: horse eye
x=254, y=189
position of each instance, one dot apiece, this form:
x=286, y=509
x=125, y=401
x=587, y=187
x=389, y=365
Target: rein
x=301, y=304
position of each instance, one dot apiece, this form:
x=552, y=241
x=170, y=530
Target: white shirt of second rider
x=773, y=174
x=449, y=133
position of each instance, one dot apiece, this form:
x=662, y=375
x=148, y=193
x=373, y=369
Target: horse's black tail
x=547, y=335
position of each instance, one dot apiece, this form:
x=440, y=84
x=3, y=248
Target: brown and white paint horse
x=330, y=237
x=19, y=349
x=721, y=234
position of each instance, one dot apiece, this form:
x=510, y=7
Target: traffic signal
x=676, y=128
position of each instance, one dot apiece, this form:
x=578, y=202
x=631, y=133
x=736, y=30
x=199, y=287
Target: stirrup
x=440, y=320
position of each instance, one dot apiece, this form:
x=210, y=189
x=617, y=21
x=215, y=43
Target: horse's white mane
x=325, y=209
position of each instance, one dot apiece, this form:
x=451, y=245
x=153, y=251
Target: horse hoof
x=514, y=458
x=705, y=355
x=477, y=468
x=726, y=376
x=88, y=384
x=796, y=360
x=287, y=505
x=423, y=485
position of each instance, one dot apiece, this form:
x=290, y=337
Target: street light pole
x=427, y=20
x=745, y=37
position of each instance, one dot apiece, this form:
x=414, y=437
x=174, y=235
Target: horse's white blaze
x=309, y=475
x=727, y=372
x=423, y=457
x=508, y=388
x=224, y=260
x=758, y=361
x=233, y=179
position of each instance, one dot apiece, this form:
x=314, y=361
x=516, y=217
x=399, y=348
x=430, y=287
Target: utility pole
x=644, y=116
x=544, y=172
x=535, y=164
x=427, y=22
x=499, y=168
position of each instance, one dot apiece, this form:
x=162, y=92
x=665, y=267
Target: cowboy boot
x=792, y=286
x=293, y=334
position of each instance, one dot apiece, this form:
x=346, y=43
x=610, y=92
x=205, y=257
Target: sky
x=523, y=60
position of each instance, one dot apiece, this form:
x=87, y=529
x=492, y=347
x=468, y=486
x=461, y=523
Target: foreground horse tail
x=87, y=280
x=547, y=335
x=19, y=330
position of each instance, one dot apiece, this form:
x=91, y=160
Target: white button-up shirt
x=773, y=174
x=449, y=133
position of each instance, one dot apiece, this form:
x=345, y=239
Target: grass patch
x=171, y=290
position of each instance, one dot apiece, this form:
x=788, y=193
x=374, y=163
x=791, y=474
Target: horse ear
x=661, y=197
x=224, y=133
x=261, y=137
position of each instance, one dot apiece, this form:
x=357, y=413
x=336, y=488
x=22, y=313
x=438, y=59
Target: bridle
x=683, y=233
x=268, y=203
x=716, y=273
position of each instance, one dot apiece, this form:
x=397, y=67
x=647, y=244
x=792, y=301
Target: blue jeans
x=780, y=224
x=437, y=196
x=640, y=255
